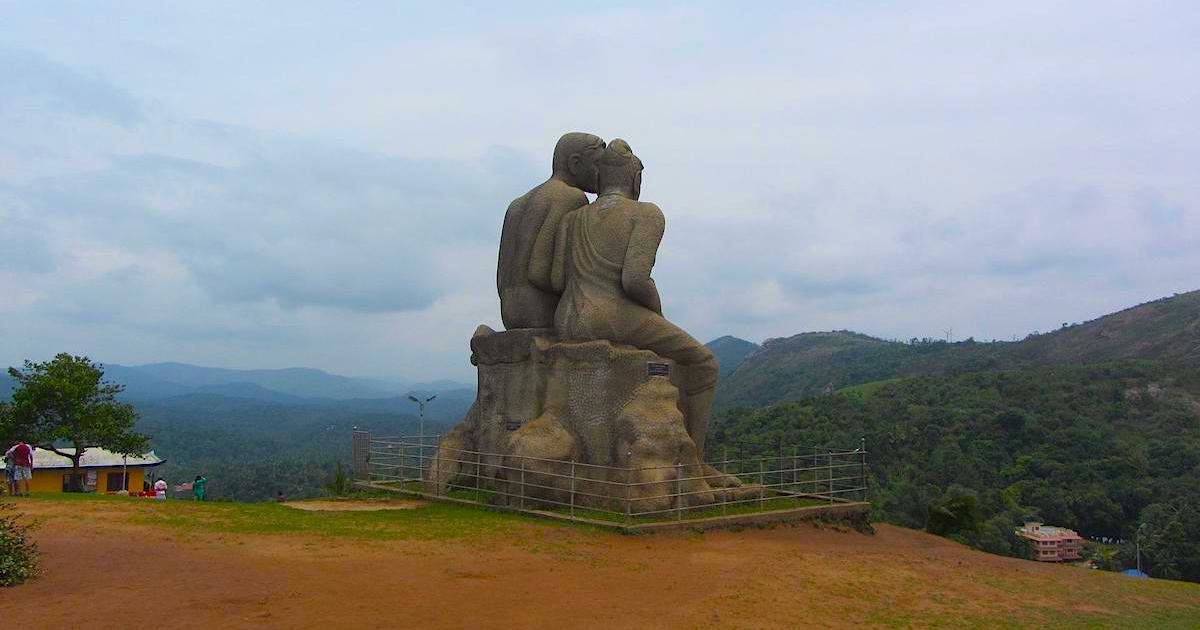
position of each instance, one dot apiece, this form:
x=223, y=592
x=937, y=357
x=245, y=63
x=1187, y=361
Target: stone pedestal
x=611, y=409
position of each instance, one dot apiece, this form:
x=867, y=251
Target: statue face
x=584, y=169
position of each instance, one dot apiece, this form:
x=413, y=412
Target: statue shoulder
x=517, y=205
x=646, y=211
x=561, y=194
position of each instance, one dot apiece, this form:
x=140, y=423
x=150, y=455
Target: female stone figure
x=602, y=261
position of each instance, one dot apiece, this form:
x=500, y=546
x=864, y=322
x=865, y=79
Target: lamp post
x=421, y=405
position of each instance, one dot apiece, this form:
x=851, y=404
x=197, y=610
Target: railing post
x=725, y=492
x=360, y=459
x=816, y=483
x=477, y=474
x=628, y=486
x=779, y=463
x=795, y=466
x=572, y=488
x=679, y=491
x=437, y=475
x=761, y=488
x=830, y=464
x=522, y=482
x=863, y=468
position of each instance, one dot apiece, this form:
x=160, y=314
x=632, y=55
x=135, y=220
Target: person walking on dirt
x=20, y=466
x=198, y=487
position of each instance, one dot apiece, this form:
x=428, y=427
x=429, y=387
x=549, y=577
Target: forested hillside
x=251, y=449
x=1101, y=448
x=810, y=363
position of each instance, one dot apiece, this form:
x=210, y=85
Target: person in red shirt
x=20, y=466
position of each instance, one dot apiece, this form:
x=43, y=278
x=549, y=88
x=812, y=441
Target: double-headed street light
x=421, y=404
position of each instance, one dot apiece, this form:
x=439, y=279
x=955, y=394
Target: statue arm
x=545, y=250
x=644, y=239
x=507, y=233
x=558, y=268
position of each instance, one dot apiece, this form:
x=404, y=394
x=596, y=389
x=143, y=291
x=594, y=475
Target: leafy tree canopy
x=66, y=403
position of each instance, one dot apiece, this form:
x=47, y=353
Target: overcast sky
x=273, y=185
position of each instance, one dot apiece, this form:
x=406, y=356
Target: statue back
x=523, y=304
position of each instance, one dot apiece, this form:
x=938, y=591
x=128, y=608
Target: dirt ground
x=355, y=506
x=100, y=567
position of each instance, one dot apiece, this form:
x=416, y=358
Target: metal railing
x=792, y=477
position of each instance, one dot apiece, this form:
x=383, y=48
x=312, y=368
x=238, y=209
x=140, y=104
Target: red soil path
x=124, y=575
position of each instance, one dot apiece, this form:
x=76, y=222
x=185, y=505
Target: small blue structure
x=1134, y=573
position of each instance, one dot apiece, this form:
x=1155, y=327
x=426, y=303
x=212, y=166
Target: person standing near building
x=160, y=489
x=20, y=466
x=198, y=487
x=7, y=486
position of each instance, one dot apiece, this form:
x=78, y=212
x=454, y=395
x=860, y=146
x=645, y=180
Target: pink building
x=1052, y=544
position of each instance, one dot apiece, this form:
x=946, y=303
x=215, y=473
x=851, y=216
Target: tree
x=956, y=513
x=67, y=401
x=1168, y=537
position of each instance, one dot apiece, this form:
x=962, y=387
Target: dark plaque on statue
x=658, y=369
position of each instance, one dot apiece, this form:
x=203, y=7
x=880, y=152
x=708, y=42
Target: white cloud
x=284, y=185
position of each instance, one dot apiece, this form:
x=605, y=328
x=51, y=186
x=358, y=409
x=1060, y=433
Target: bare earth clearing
x=122, y=563
x=355, y=506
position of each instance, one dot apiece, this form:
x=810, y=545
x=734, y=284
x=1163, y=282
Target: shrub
x=18, y=554
x=340, y=485
x=954, y=515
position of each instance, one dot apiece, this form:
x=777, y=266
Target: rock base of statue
x=584, y=423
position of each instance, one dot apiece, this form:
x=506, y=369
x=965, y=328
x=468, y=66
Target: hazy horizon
x=273, y=185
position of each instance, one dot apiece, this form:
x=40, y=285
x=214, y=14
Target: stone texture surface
x=605, y=253
x=523, y=270
x=594, y=403
x=591, y=393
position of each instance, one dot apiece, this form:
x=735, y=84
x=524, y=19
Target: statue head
x=620, y=170
x=575, y=158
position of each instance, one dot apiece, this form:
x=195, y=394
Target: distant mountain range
x=780, y=369
x=156, y=380
x=289, y=385
x=812, y=363
x=193, y=387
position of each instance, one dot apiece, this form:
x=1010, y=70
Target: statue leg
x=697, y=410
x=696, y=362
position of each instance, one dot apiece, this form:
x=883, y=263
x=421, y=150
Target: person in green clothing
x=198, y=487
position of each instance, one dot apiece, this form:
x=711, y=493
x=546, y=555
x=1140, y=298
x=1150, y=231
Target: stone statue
x=589, y=371
x=523, y=274
x=603, y=256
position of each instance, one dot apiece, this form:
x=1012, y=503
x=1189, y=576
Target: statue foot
x=718, y=479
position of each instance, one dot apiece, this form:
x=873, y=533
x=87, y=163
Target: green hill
x=1101, y=448
x=813, y=363
x=731, y=352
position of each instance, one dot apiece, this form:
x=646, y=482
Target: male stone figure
x=527, y=299
x=603, y=256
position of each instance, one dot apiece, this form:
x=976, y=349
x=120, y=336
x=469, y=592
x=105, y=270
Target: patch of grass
x=432, y=522
x=1097, y=600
